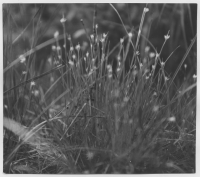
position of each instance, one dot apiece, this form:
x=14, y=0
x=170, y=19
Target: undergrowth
x=86, y=114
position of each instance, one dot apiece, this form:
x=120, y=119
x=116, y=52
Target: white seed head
x=194, y=76
x=121, y=40
x=109, y=67
x=96, y=26
x=152, y=54
x=118, y=57
x=51, y=79
x=63, y=19
x=162, y=64
x=110, y=76
x=185, y=66
x=58, y=48
x=172, y=119
x=73, y=56
x=102, y=40
x=90, y=155
x=32, y=83
x=118, y=69
x=87, y=54
x=36, y=93
x=130, y=35
x=71, y=49
x=22, y=59
x=135, y=72
x=69, y=38
x=155, y=108
x=104, y=35
x=92, y=36
x=166, y=78
x=50, y=60
x=56, y=34
x=153, y=67
x=137, y=53
x=71, y=62
x=167, y=37
x=126, y=99
x=154, y=94
x=147, y=48
x=53, y=47
x=78, y=47
x=146, y=9
x=24, y=72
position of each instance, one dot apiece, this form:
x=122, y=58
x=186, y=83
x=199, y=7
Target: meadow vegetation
x=96, y=108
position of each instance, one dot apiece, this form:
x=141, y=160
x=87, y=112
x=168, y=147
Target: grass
x=89, y=114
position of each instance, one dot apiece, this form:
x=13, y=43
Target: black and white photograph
x=99, y=88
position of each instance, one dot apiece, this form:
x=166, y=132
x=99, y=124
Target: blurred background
x=39, y=22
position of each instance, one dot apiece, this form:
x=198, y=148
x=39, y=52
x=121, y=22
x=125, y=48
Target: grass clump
x=91, y=113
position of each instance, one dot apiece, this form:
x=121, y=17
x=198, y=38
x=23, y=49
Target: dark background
x=180, y=19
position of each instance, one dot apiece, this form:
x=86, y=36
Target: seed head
x=36, y=93
x=167, y=37
x=92, y=36
x=152, y=55
x=185, y=66
x=63, y=19
x=162, y=64
x=32, y=83
x=90, y=155
x=154, y=94
x=78, y=47
x=157, y=55
x=104, y=35
x=130, y=35
x=155, y=108
x=172, y=119
x=56, y=34
x=71, y=62
x=53, y=47
x=146, y=9
x=126, y=99
x=71, y=49
x=121, y=40
x=166, y=78
x=147, y=48
x=52, y=79
x=87, y=54
x=58, y=48
x=118, y=69
x=22, y=59
x=194, y=76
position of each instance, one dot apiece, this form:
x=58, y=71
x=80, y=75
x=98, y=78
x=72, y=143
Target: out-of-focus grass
x=100, y=107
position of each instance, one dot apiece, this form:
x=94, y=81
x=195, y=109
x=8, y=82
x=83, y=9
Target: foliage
x=103, y=106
